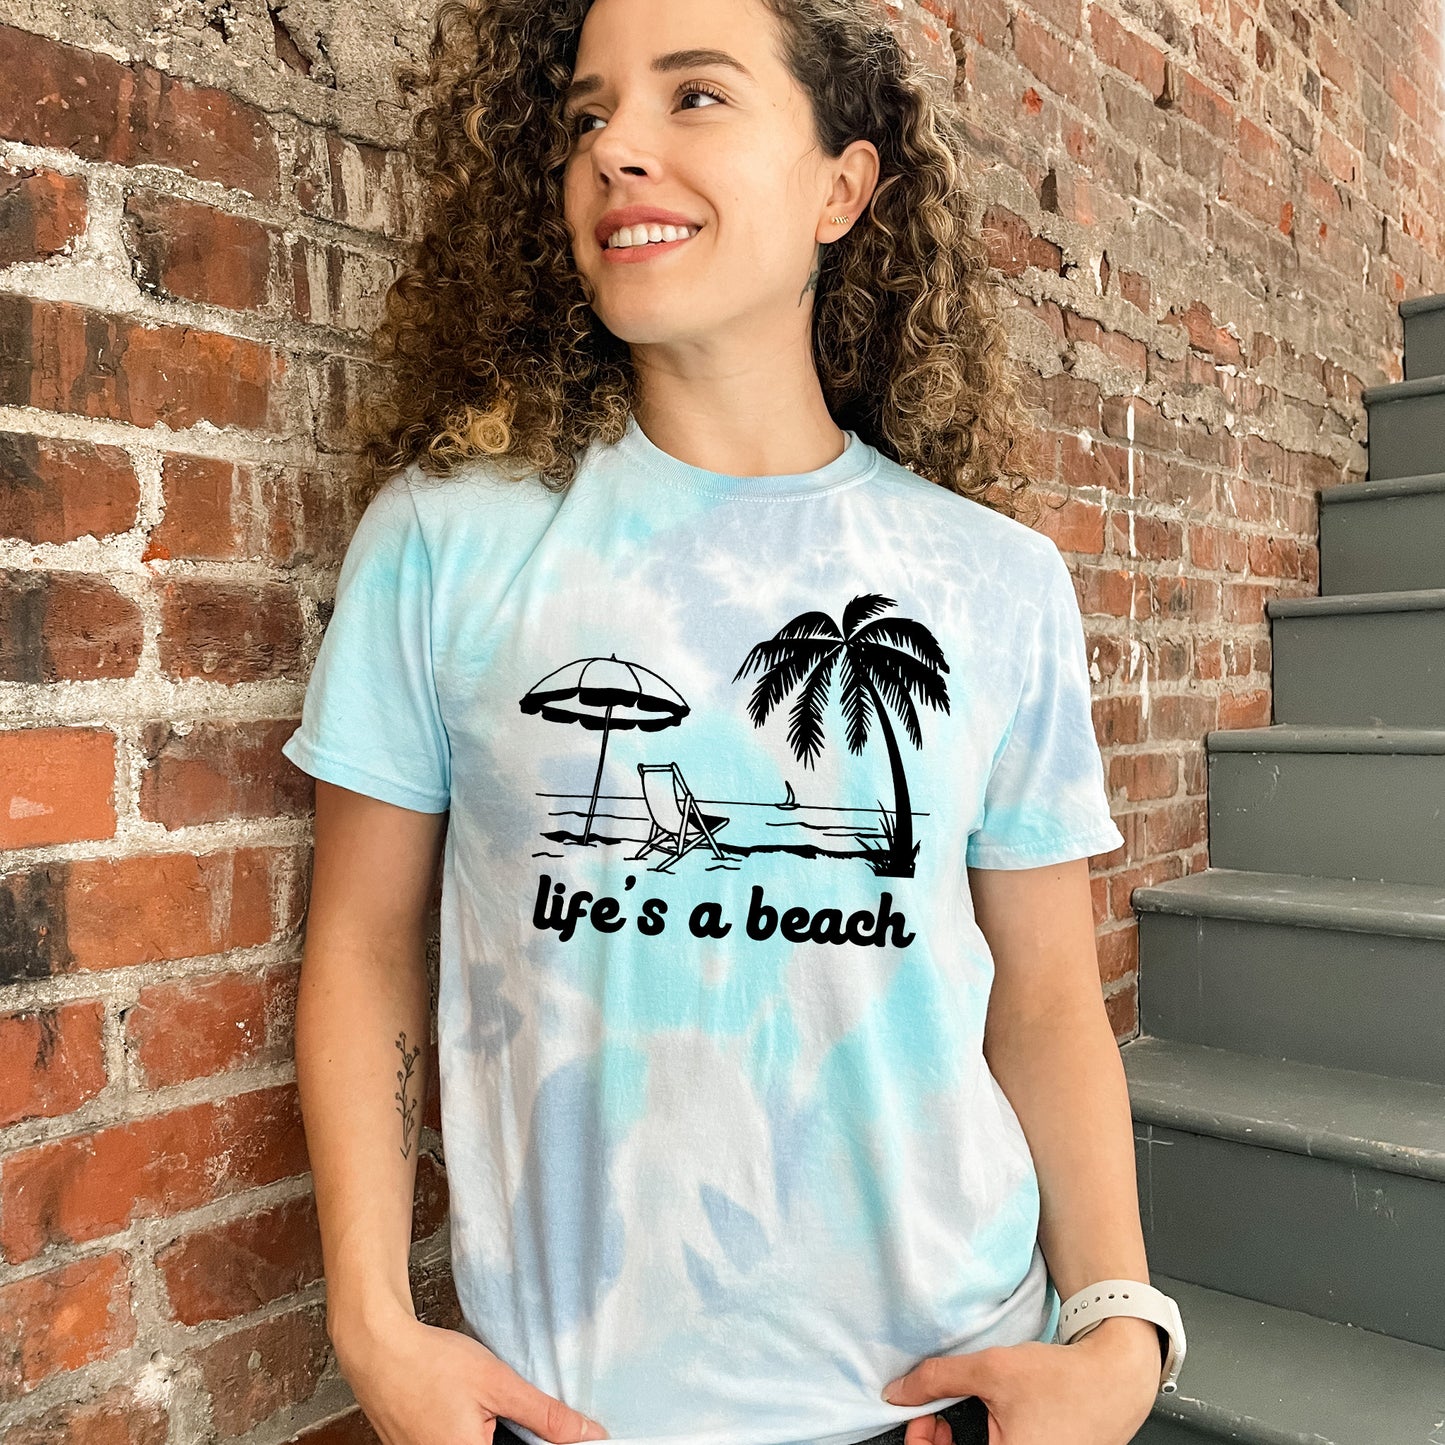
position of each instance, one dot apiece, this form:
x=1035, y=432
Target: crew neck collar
x=856, y=461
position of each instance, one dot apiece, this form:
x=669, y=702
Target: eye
x=576, y=120
x=697, y=87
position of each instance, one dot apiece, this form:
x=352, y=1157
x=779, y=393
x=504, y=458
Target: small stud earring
x=840, y=220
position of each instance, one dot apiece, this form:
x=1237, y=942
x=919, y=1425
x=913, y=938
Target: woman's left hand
x=1096, y=1391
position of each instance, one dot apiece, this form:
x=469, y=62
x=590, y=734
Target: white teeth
x=651, y=231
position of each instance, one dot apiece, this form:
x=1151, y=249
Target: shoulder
x=479, y=498
x=1012, y=548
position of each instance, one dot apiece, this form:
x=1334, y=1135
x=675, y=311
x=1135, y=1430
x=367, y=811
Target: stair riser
x=1320, y=996
x=1377, y=816
x=1425, y=344
x=1390, y=544
x=1340, y=1241
x=1407, y=435
x=1360, y=668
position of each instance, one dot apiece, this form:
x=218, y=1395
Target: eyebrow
x=584, y=85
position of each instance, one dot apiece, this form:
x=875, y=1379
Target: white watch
x=1098, y=1302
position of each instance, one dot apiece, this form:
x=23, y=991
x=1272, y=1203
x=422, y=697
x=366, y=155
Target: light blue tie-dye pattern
x=719, y=1189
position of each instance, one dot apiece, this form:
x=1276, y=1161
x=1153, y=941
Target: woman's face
x=682, y=114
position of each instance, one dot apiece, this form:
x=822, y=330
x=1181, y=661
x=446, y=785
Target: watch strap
x=1106, y=1298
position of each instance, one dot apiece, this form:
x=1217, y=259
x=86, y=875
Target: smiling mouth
x=651, y=233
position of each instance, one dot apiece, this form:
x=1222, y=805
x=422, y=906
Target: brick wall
x=1208, y=219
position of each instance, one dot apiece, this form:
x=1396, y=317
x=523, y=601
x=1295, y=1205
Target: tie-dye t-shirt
x=723, y=1150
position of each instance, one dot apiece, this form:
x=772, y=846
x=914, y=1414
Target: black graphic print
x=882, y=662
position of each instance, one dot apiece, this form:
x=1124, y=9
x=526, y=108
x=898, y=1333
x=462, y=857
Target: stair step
x=1424, y=318
x=1383, y=535
x=1310, y=1188
x=1326, y=971
x=1407, y=426
x=1338, y=802
x=1262, y=1375
x=1368, y=659
x=1397, y=1125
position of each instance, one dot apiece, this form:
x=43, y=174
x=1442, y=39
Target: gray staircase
x=1288, y=1083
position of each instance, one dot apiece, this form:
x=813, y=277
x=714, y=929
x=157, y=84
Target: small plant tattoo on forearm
x=406, y=1107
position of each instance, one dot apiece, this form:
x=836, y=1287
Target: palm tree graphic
x=882, y=660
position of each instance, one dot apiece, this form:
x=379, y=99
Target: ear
x=855, y=178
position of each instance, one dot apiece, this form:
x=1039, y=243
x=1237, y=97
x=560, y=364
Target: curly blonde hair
x=488, y=347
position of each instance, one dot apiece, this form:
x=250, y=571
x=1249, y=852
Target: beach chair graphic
x=678, y=824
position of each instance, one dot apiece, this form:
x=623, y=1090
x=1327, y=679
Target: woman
x=696, y=604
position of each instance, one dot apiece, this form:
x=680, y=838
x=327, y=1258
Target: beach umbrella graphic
x=603, y=693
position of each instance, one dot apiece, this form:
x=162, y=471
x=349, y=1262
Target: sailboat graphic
x=791, y=800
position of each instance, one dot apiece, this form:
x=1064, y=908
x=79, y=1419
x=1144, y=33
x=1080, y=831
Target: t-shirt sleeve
x=1045, y=800
x=371, y=720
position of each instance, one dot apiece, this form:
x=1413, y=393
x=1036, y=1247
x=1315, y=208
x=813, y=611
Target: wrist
x=355, y=1323
x=1129, y=1336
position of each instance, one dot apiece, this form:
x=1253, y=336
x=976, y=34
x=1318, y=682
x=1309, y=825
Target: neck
x=754, y=418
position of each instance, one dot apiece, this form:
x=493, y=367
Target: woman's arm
x=1050, y=1045
x=362, y=1017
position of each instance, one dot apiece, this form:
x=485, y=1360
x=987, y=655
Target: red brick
x=193, y=1028
x=56, y=491
x=1219, y=61
x=197, y=252
x=68, y=1191
x=221, y=510
x=1213, y=549
x=1197, y=322
x=100, y=913
x=1256, y=195
x=41, y=213
x=60, y=625
x=62, y=1320
x=1139, y=534
x=76, y=100
x=1013, y=247
x=1078, y=197
x=62, y=358
x=116, y=1417
x=1201, y=103
x=1075, y=526
x=57, y=785
x=1127, y=52
x=1124, y=349
x=253, y=1373
x=351, y=181
x=1335, y=65
x=221, y=770
x=235, y=1267
x=328, y=507
x=51, y=1060
x=230, y=631
x=1089, y=463
x=124, y=911
x=1258, y=148
x=1122, y=1006
x=343, y=396
x=1063, y=67
x=1063, y=15
x=1245, y=709
x=1144, y=775
x=1135, y=290
x=1069, y=400
x=1048, y=313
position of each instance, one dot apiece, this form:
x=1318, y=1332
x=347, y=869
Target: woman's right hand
x=420, y=1385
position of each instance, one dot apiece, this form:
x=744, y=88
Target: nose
x=625, y=145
